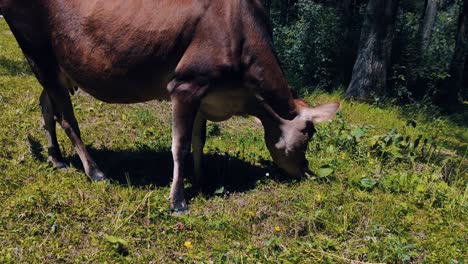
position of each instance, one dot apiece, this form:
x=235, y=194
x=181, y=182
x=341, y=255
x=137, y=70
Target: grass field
x=390, y=186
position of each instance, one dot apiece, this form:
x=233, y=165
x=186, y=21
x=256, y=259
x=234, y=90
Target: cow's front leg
x=198, y=142
x=185, y=103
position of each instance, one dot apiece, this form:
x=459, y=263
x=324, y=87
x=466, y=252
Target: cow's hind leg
x=66, y=118
x=198, y=142
x=56, y=99
x=49, y=123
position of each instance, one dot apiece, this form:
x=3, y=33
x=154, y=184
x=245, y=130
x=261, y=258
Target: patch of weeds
x=119, y=245
x=213, y=129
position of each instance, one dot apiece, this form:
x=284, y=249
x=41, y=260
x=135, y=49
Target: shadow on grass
x=14, y=67
x=36, y=149
x=458, y=118
x=147, y=167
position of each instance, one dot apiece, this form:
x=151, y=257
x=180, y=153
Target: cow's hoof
x=61, y=166
x=180, y=213
x=97, y=175
x=57, y=164
x=179, y=208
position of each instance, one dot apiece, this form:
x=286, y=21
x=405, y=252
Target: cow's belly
x=129, y=91
x=130, y=88
x=222, y=103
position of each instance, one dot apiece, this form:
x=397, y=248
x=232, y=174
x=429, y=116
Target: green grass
x=371, y=201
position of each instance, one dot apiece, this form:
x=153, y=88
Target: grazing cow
x=211, y=58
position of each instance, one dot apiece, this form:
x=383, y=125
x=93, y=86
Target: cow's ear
x=320, y=113
x=300, y=103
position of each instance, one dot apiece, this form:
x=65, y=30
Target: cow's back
x=127, y=51
x=120, y=32
x=108, y=47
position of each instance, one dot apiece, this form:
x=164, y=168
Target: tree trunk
x=346, y=11
x=464, y=91
x=285, y=11
x=371, y=66
x=344, y=8
x=267, y=5
x=448, y=97
x=427, y=23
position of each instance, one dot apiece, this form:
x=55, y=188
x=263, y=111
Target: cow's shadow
x=14, y=67
x=147, y=167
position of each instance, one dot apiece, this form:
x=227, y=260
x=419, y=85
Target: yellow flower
x=188, y=244
x=277, y=228
x=251, y=214
x=318, y=197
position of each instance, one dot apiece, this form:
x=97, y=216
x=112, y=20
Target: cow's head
x=288, y=142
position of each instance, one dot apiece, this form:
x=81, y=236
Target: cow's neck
x=272, y=124
x=271, y=90
x=268, y=82
x=270, y=119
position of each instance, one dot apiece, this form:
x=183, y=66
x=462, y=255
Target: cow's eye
x=310, y=129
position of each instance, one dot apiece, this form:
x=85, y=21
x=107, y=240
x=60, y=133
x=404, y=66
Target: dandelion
x=251, y=214
x=318, y=197
x=277, y=228
x=188, y=244
x=343, y=155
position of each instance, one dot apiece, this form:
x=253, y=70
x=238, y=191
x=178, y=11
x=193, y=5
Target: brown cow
x=212, y=58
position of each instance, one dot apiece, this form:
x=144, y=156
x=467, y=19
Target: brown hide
x=128, y=51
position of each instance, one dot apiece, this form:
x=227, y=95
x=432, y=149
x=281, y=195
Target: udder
x=221, y=104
